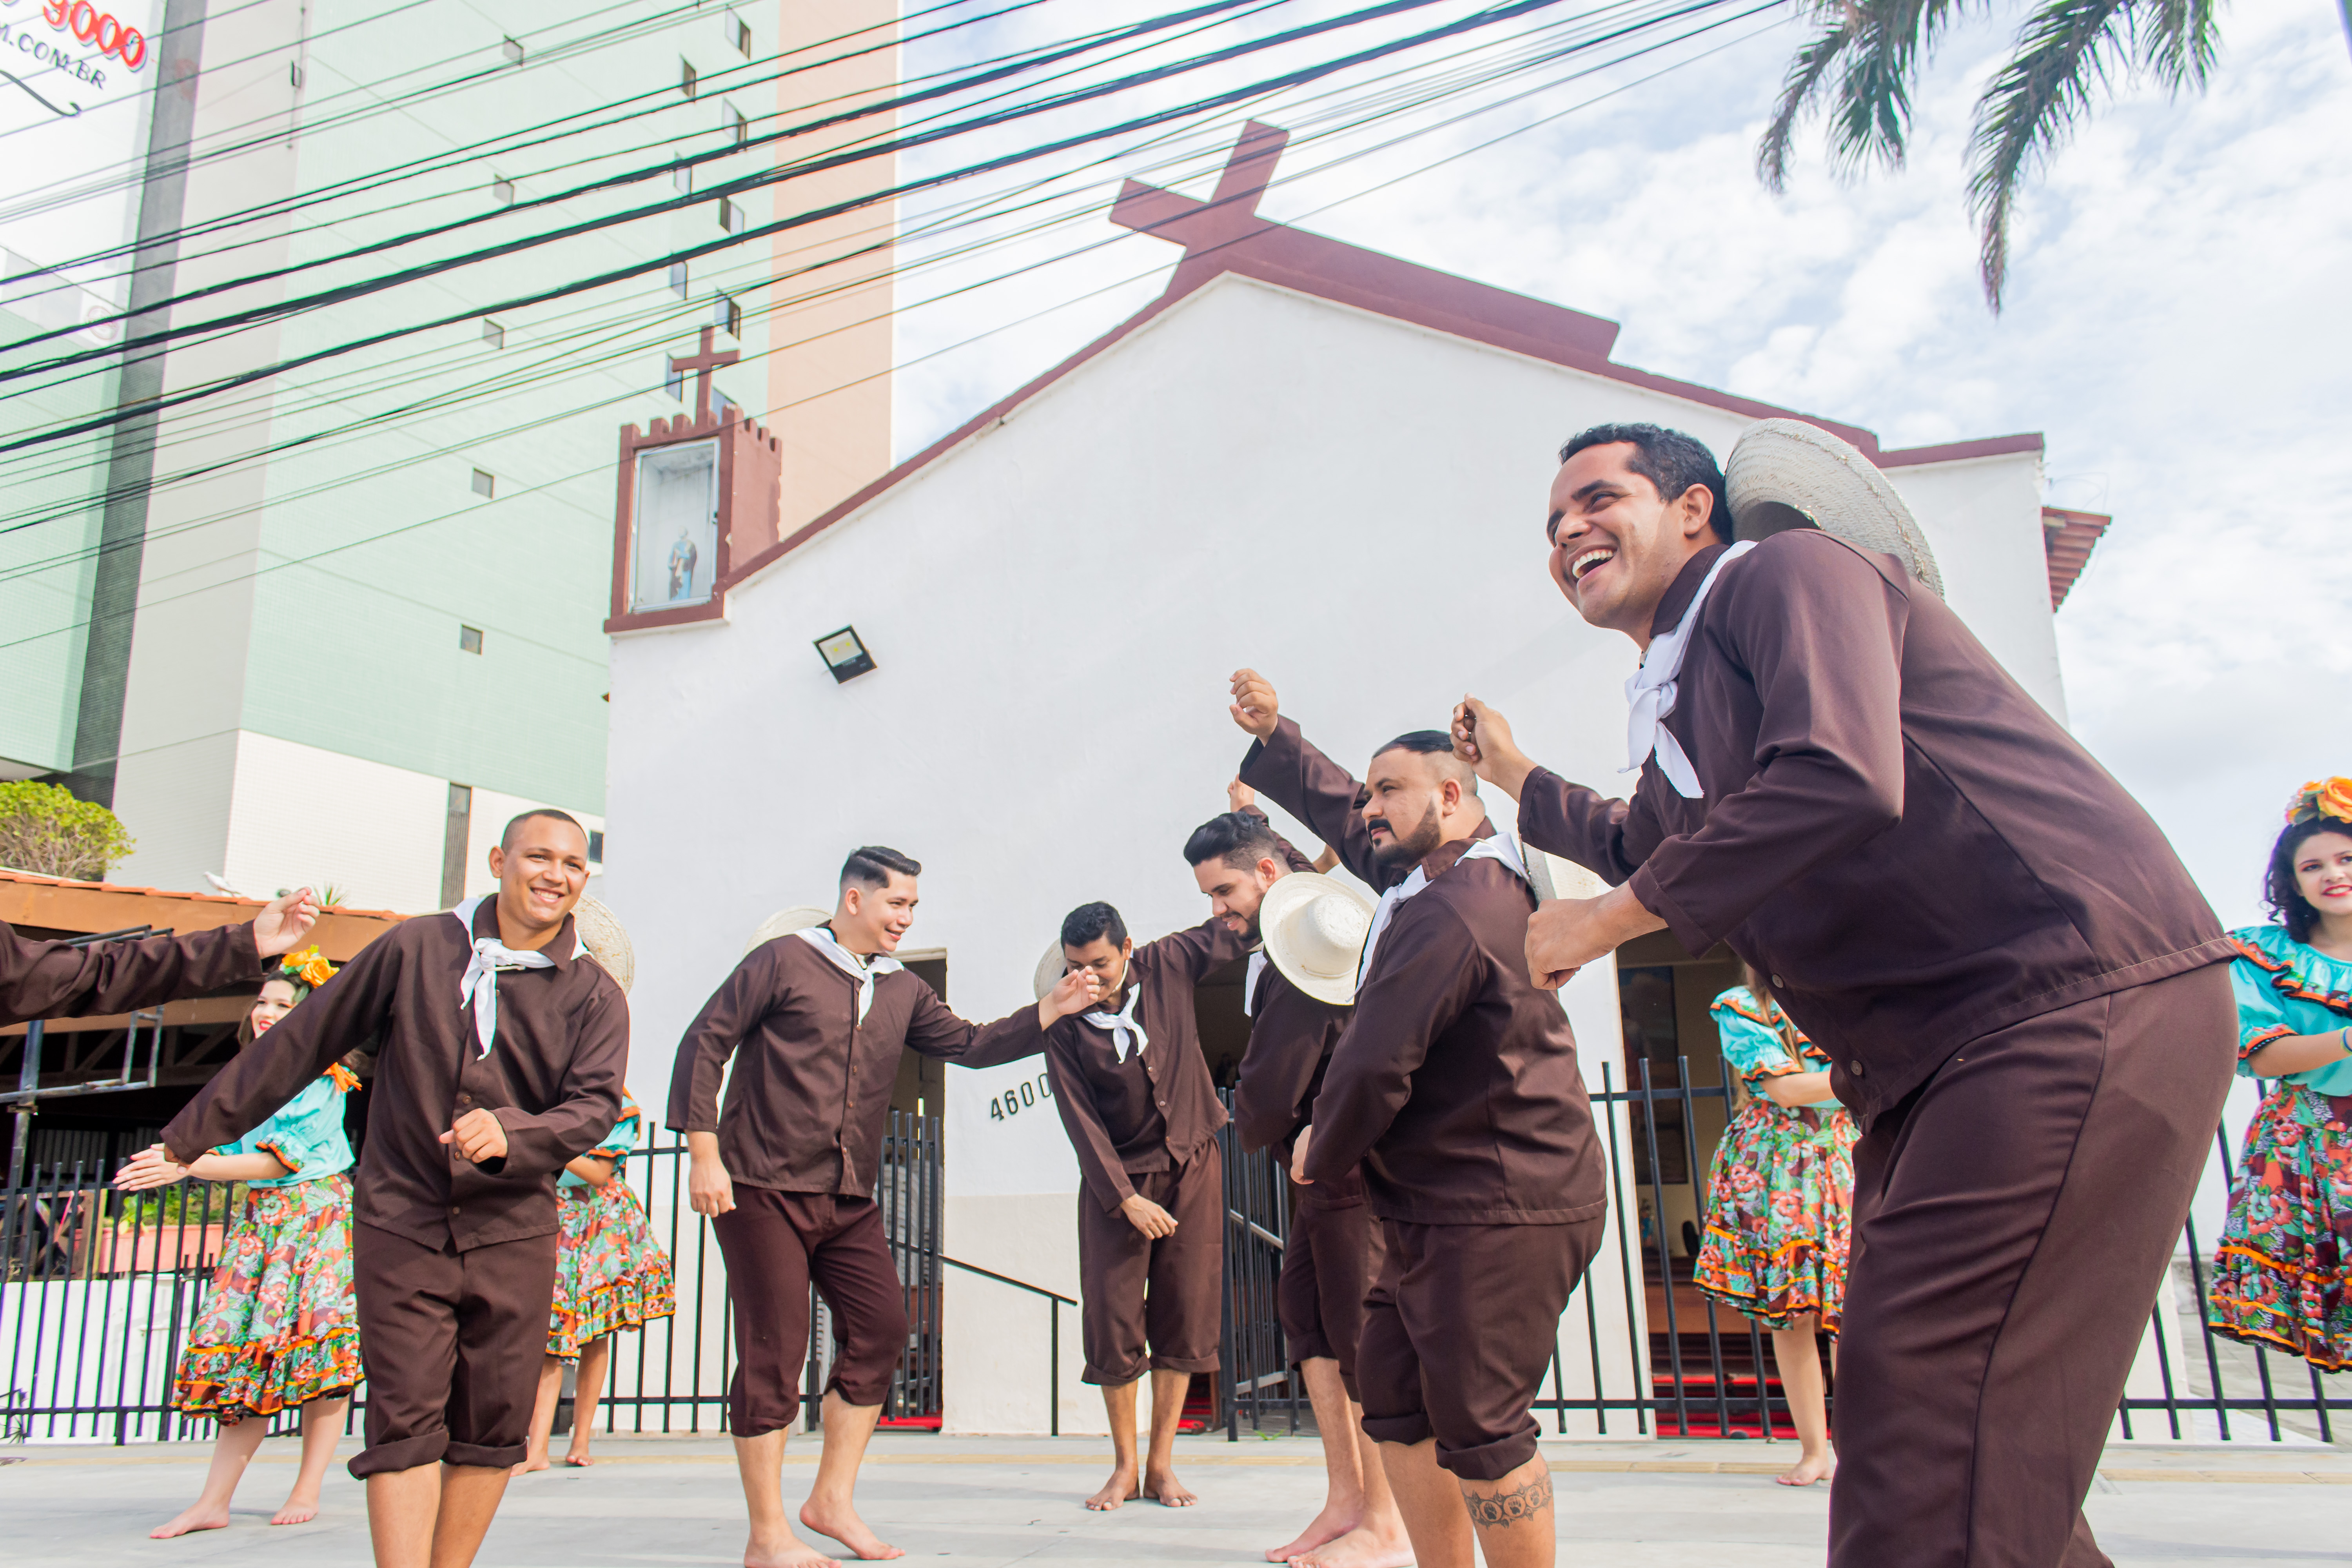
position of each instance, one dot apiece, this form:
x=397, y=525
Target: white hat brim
x=1784, y=466
x=783, y=922
x=599, y=930
x=1294, y=892
x=1050, y=970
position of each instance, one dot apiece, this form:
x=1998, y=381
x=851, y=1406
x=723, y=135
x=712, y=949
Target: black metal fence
x=98, y=1290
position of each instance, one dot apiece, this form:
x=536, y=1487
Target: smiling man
x=2018, y=982
x=501, y=1060
x=785, y=1168
x=1455, y=1088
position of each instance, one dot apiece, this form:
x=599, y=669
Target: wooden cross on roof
x=1229, y=214
x=703, y=364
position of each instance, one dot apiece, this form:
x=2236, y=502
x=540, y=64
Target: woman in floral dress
x=2280, y=1271
x=610, y=1274
x=278, y=1329
x=1779, y=1205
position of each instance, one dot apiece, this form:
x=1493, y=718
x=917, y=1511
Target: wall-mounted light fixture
x=844, y=654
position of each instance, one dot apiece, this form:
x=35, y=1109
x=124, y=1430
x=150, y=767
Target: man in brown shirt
x=1142, y=1113
x=1333, y=1249
x=1455, y=1086
x=2017, y=980
x=816, y=1021
x=501, y=1058
x=59, y=980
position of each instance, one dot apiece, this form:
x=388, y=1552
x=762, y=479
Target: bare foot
x=201, y=1516
x=1361, y=1549
x=1114, y=1491
x=536, y=1462
x=843, y=1525
x=1806, y=1471
x=1164, y=1488
x=298, y=1510
x=789, y=1552
x=578, y=1458
x=1330, y=1524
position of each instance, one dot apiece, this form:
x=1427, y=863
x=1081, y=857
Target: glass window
x=677, y=525
x=484, y=482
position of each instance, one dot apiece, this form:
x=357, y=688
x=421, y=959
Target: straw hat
x=1050, y=969
x=1313, y=927
x=783, y=922
x=1785, y=473
x=607, y=941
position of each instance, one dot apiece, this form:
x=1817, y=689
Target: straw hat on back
x=1050, y=970
x=783, y=922
x=1313, y=928
x=1785, y=473
x=607, y=941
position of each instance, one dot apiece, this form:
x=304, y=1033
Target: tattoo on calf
x=1506, y=1508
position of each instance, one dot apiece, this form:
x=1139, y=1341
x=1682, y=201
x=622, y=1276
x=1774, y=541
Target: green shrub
x=46, y=830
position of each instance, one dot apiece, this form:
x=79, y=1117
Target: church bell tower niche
x=698, y=496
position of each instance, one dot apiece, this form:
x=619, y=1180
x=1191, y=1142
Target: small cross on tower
x=703, y=364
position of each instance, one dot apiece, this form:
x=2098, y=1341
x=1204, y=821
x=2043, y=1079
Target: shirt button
x=1856, y=1068
x=1776, y=982
x=453, y=1211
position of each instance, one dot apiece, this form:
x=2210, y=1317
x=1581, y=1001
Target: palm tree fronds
x=1811, y=64
x=2177, y=41
x=1862, y=62
x=2065, y=51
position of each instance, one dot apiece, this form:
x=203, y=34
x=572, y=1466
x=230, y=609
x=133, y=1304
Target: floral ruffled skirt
x=2280, y=1272
x=1779, y=1215
x=280, y=1326
x=610, y=1272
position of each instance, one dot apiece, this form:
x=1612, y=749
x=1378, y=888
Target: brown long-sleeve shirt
x=51, y=980
x=1155, y=1110
x=811, y=1094
x=552, y=1078
x=1454, y=1083
x=1292, y=1037
x=1892, y=829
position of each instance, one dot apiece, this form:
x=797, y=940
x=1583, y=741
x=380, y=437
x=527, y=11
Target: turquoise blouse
x=626, y=1135
x=1750, y=1032
x=306, y=1134
x=2284, y=988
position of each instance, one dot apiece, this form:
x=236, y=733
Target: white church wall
x=1350, y=505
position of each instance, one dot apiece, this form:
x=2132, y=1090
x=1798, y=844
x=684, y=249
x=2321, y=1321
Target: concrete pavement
x=966, y=1503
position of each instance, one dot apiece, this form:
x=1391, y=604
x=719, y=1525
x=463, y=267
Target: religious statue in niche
x=677, y=524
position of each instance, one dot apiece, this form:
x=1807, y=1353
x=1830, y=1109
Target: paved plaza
x=965, y=1503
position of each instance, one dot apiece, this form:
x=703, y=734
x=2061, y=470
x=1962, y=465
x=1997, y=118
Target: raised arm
x=1192, y=954
x=348, y=1010
x=1608, y=838
x=934, y=1031
x=543, y=1142
x=1281, y=765
x=1099, y=1164
x=1430, y=971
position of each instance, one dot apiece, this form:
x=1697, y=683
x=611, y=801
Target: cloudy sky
x=2177, y=326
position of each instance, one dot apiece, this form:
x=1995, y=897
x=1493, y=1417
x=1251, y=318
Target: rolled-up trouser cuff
x=1490, y=1461
x=402, y=1454
x=504, y=1457
x=1406, y=1429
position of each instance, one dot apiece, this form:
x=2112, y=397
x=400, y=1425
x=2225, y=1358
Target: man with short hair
x=1142, y=1114
x=2021, y=985
x=1455, y=1088
x=786, y=1168
x=60, y=980
x=1332, y=1253
x=502, y=1060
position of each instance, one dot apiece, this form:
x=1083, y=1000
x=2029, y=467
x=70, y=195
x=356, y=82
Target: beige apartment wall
x=829, y=376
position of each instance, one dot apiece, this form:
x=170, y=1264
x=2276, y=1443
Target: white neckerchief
x=1249, y=986
x=1498, y=847
x=1122, y=1024
x=1650, y=691
x=480, y=988
x=821, y=938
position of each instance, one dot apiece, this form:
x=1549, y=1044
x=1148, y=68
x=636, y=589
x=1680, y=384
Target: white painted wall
x=1351, y=505
x=299, y=816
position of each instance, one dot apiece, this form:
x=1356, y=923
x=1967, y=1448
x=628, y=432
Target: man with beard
x=59, y=980
x=1333, y=1251
x=1142, y=1114
x=501, y=1061
x=2021, y=985
x=820, y=1017
x=1455, y=1086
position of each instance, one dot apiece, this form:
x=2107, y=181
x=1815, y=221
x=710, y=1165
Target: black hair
x=2280, y=890
x=870, y=866
x=1087, y=921
x=1431, y=743
x=506, y=838
x=1672, y=462
x=1239, y=839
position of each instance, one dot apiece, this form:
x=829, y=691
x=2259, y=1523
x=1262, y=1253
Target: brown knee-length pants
x=777, y=1245
x=2012, y=1221
x=1149, y=1305
x=1459, y=1333
x=452, y=1342
x=1329, y=1261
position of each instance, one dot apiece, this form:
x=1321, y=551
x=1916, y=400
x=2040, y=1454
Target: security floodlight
x=844, y=654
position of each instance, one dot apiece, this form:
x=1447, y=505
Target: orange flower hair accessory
x=2321, y=797
x=309, y=966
